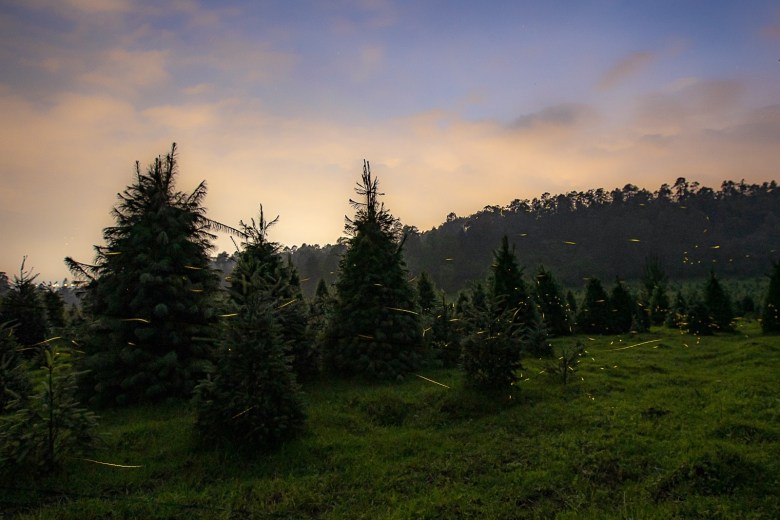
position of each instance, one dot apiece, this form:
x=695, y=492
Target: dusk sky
x=456, y=104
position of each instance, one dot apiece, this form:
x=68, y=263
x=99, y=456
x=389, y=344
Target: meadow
x=653, y=425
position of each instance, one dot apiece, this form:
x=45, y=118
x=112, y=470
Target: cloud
x=688, y=103
x=629, y=66
x=124, y=71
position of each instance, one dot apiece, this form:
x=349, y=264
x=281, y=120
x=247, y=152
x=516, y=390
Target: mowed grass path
x=672, y=428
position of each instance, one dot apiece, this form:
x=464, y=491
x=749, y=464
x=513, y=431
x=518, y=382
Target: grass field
x=657, y=425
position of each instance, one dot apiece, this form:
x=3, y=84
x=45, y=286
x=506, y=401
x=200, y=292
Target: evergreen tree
x=14, y=383
x=571, y=303
x=55, y=308
x=260, y=268
x=151, y=292
x=594, y=315
x=551, y=304
x=445, y=334
x=23, y=306
x=622, y=307
x=251, y=400
x=770, y=318
x=659, y=305
x=491, y=351
x=508, y=289
x=49, y=426
x=719, y=304
x=374, y=330
x=698, y=318
x=678, y=313
x=426, y=294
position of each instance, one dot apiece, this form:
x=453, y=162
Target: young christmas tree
x=622, y=308
x=770, y=318
x=23, y=306
x=374, y=329
x=594, y=315
x=719, y=304
x=260, y=268
x=151, y=292
x=15, y=384
x=507, y=287
x=252, y=399
x=552, y=306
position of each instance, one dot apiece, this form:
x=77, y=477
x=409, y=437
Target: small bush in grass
x=51, y=425
x=567, y=362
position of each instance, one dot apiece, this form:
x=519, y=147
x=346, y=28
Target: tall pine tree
x=374, y=330
x=151, y=292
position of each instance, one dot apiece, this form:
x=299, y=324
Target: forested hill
x=688, y=227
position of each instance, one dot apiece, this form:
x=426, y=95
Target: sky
x=456, y=104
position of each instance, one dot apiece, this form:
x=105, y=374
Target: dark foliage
x=374, y=331
x=15, y=386
x=491, y=351
x=622, y=309
x=260, y=268
x=698, y=319
x=719, y=304
x=508, y=289
x=48, y=427
x=151, y=292
x=594, y=316
x=23, y=305
x=598, y=233
x=770, y=318
x=426, y=294
x=552, y=306
x=251, y=400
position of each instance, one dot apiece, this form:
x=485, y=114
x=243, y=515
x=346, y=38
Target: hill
x=688, y=227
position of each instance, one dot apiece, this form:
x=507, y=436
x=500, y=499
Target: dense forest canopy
x=690, y=228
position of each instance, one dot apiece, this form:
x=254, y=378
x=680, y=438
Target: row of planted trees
x=158, y=324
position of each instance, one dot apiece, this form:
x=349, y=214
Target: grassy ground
x=673, y=428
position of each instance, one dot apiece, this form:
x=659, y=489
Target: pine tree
x=491, y=351
x=374, y=330
x=426, y=294
x=719, y=304
x=507, y=287
x=677, y=314
x=551, y=304
x=14, y=383
x=698, y=318
x=55, y=308
x=151, y=292
x=622, y=308
x=260, y=268
x=23, y=306
x=252, y=399
x=445, y=334
x=594, y=315
x=49, y=426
